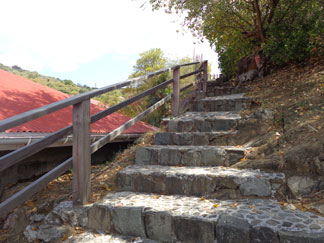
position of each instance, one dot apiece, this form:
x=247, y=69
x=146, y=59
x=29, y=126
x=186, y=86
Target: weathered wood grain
x=81, y=153
x=176, y=91
x=205, y=76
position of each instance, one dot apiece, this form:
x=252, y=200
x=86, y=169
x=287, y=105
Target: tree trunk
x=259, y=21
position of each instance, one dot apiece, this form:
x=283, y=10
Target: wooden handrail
x=41, y=182
x=44, y=110
x=81, y=129
x=14, y=157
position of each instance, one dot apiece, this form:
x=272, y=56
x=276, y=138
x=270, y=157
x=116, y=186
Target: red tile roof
x=18, y=95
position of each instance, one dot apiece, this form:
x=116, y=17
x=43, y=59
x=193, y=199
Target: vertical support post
x=81, y=153
x=205, y=76
x=176, y=91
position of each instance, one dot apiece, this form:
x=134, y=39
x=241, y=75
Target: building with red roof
x=18, y=95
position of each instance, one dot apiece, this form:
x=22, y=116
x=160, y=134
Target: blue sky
x=92, y=42
x=104, y=70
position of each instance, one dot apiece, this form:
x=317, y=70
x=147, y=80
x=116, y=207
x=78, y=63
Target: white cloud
x=61, y=34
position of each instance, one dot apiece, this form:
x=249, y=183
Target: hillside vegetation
x=65, y=86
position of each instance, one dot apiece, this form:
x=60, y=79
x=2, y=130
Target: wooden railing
x=80, y=128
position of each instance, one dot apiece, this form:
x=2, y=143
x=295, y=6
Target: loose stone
x=314, y=227
x=286, y=224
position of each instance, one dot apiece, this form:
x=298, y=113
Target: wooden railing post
x=81, y=153
x=176, y=91
x=205, y=76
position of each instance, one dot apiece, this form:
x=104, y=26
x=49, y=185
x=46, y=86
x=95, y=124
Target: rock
x=16, y=223
x=99, y=218
x=264, y=114
x=301, y=185
x=53, y=219
x=184, y=139
x=128, y=221
x=319, y=165
x=256, y=187
x=162, y=138
x=175, y=185
x=225, y=194
x=301, y=158
x=154, y=183
x=300, y=237
x=232, y=230
x=319, y=207
x=100, y=238
x=172, y=126
x=37, y=217
x=143, y=156
x=247, y=76
x=263, y=234
x=158, y=226
x=193, y=230
x=65, y=212
x=46, y=233
x=202, y=125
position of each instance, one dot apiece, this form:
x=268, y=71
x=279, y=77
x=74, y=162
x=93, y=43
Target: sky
x=91, y=42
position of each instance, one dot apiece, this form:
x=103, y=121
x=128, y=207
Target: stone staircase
x=182, y=189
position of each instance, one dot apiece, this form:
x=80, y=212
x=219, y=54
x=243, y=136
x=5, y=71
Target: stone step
x=217, y=83
x=234, y=102
x=204, y=122
x=189, y=155
x=96, y=237
x=196, y=138
x=210, y=182
x=191, y=219
x=226, y=90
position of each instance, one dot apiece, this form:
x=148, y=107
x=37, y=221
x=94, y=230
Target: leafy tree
x=238, y=27
x=149, y=61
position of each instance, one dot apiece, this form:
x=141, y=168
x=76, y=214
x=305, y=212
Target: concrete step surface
x=196, y=138
x=204, y=122
x=211, y=182
x=233, y=102
x=192, y=219
x=189, y=155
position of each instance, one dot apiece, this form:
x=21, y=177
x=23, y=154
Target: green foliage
x=294, y=41
x=149, y=61
x=65, y=86
x=111, y=98
x=288, y=30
